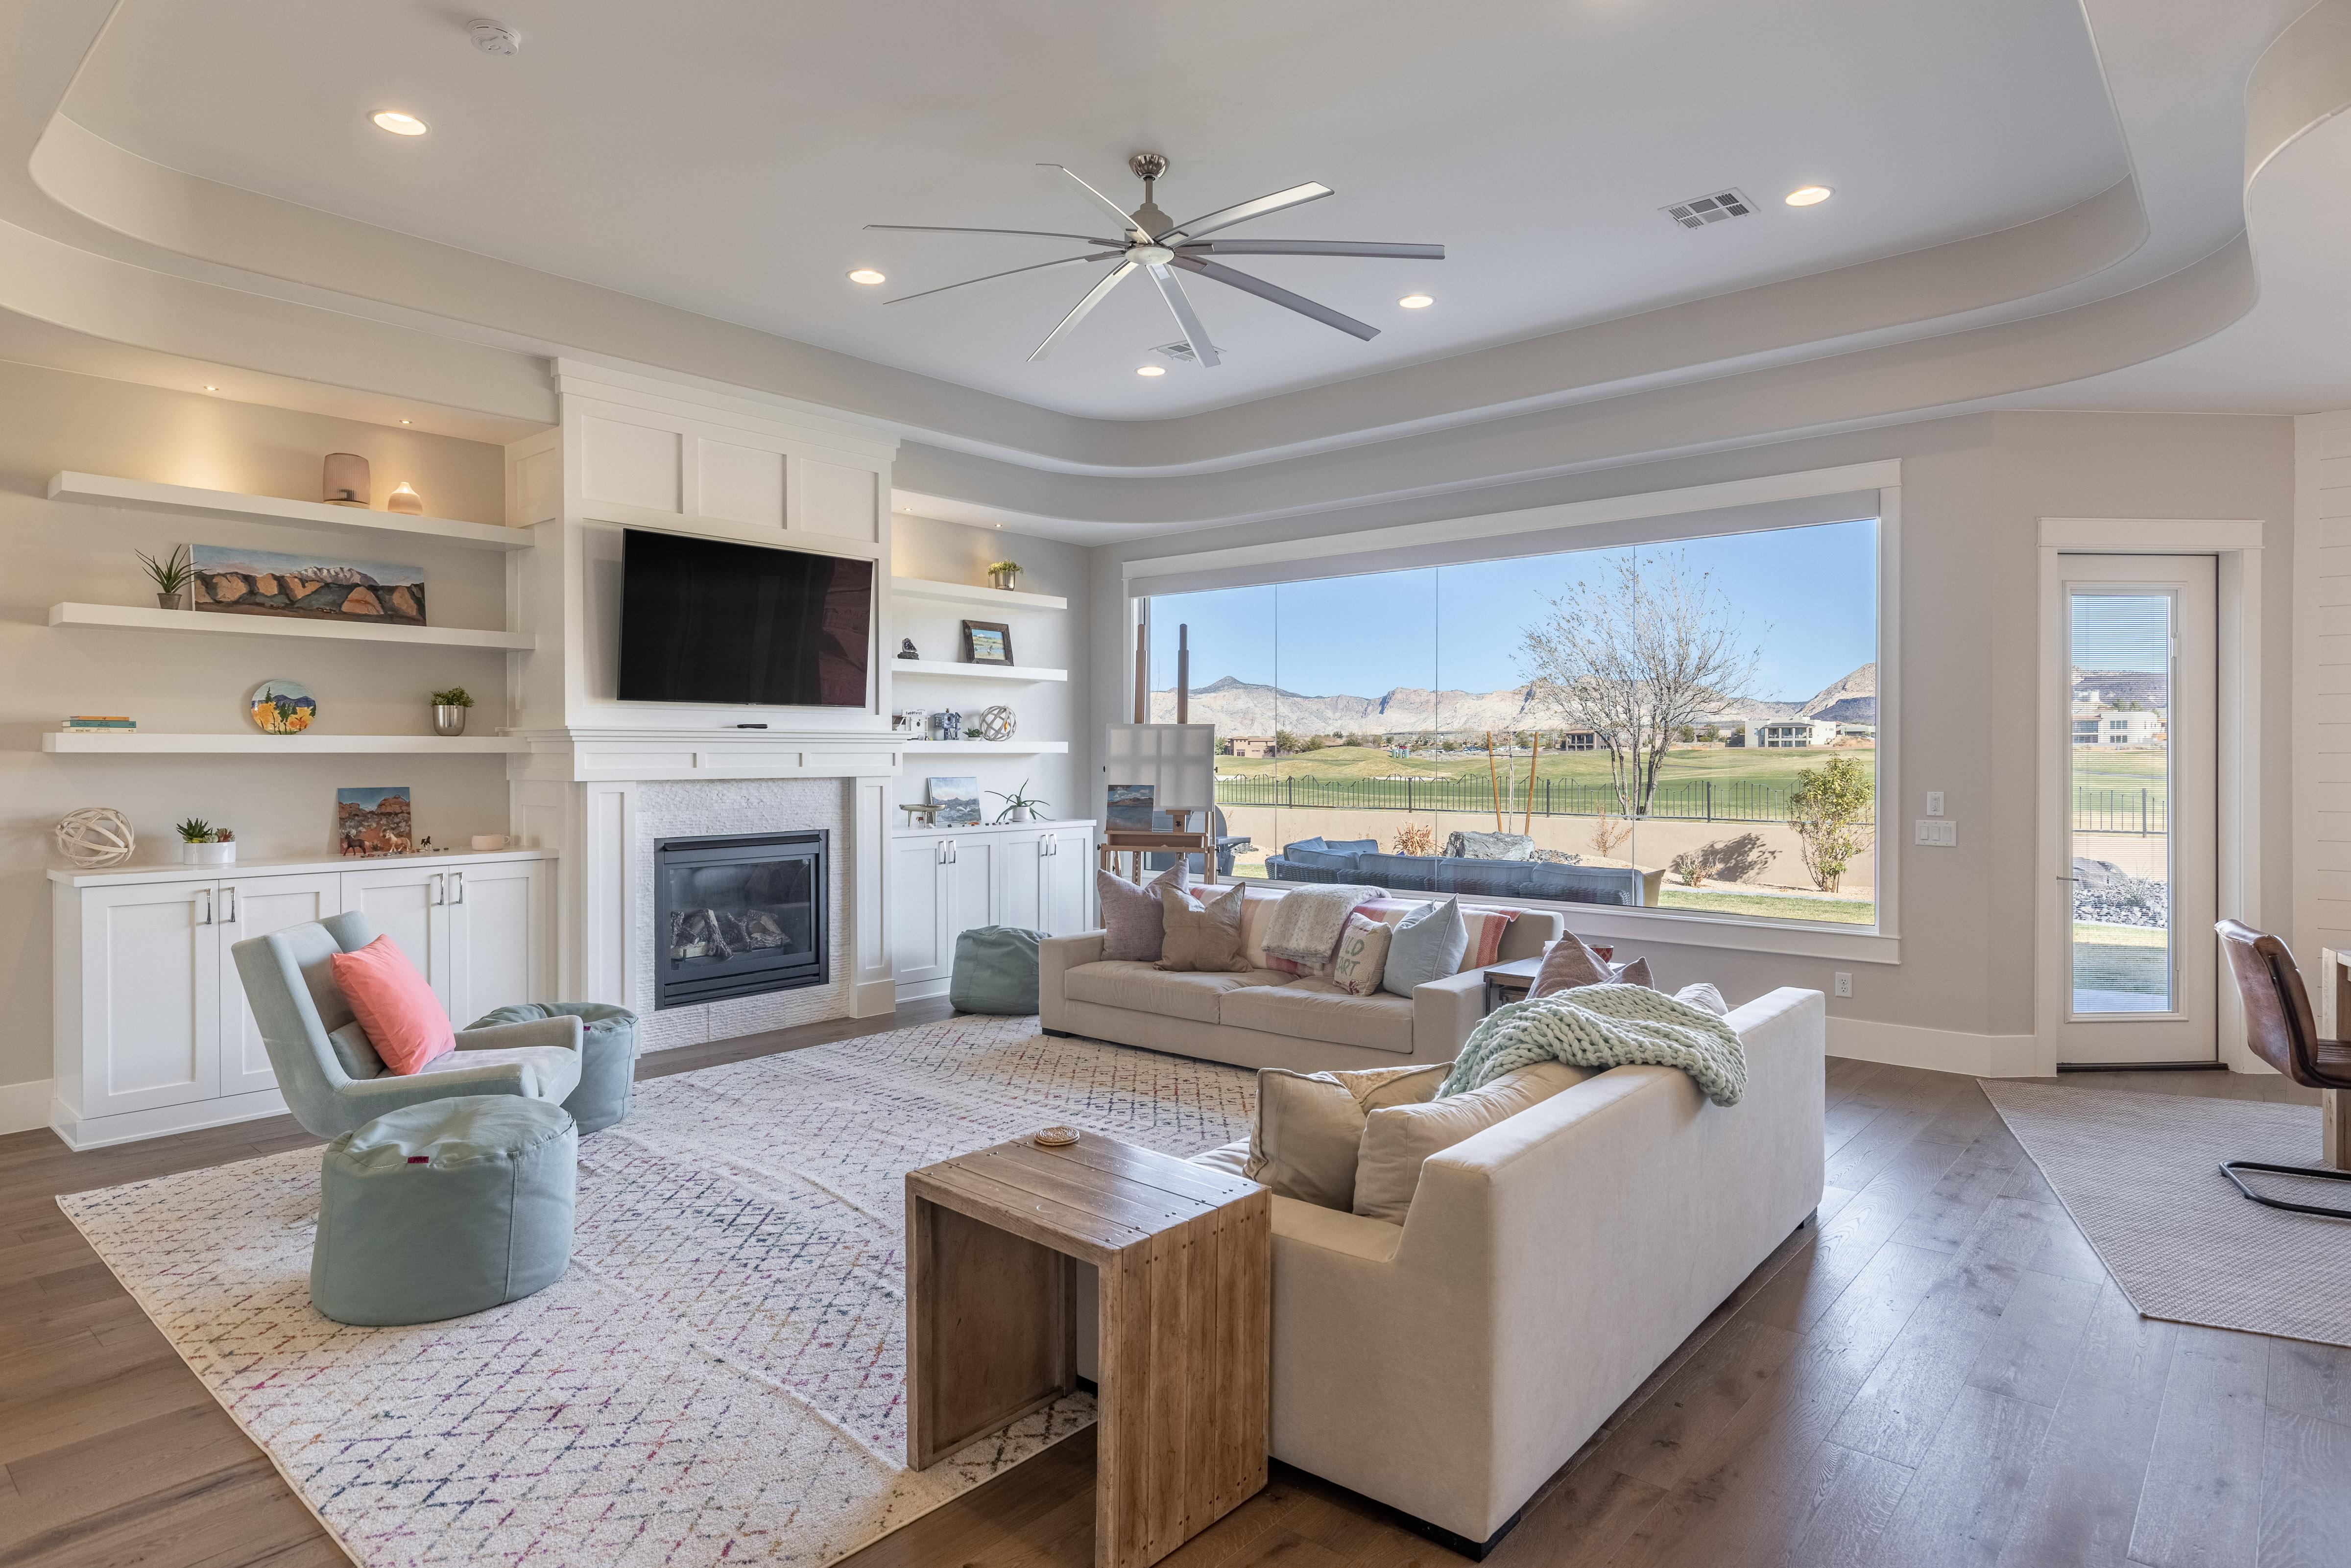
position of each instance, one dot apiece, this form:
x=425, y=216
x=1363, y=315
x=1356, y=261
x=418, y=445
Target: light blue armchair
x=329, y=1073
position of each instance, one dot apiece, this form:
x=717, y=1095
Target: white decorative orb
x=95, y=836
x=998, y=722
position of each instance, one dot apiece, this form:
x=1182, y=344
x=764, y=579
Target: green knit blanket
x=1603, y=1026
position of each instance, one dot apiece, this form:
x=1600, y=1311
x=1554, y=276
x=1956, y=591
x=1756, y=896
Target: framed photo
x=374, y=821
x=986, y=642
x=955, y=802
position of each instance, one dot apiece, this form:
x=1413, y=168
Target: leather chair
x=2281, y=1030
x=329, y=1072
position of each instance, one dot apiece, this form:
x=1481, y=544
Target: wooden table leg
x=991, y=1329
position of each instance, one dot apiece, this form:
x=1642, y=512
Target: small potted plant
x=449, y=710
x=1004, y=574
x=201, y=843
x=170, y=576
x=1019, y=806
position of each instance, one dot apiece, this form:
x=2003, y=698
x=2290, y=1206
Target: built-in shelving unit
x=972, y=593
x=147, y=743
x=98, y=489
x=982, y=747
x=944, y=670
x=133, y=618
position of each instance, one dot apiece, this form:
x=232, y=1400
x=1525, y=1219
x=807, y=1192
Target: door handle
x=456, y=887
x=440, y=891
x=206, y=917
x=230, y=918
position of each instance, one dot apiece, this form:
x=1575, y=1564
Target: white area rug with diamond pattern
x=721, y=1375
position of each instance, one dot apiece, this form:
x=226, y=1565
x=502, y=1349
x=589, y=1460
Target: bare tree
x=1636, y=653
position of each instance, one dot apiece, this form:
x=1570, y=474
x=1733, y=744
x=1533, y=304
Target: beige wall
x=279, y=808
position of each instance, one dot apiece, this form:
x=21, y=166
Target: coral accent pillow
x=1487, y=928
x=403, y=1020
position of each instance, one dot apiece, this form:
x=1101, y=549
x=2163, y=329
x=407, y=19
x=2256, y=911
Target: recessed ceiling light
x=1418, y=301
x=399, y=124
x=211, y=389
x=1809, y=195
x=408, y=421
x=1151, y=370
x=867, y=275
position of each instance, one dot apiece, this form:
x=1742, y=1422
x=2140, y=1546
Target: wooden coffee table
x=1185, y=1257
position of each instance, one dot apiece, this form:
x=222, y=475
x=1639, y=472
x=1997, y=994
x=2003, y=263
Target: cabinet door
x=1068, y=876
x=1021, y=868
x=408, y=904
x=497, y=937
x=921, y=948
x=972, y=893
x=254, y=906
x=150, y=973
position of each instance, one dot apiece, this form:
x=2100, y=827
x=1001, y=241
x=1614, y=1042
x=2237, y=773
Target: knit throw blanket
x=1307, y=922
x=1603, y=1026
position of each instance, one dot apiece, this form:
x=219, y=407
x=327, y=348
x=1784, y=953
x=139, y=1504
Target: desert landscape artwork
x=374, y=819
x=323, y=588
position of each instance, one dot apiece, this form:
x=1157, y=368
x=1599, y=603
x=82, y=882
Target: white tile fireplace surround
x=711, y=808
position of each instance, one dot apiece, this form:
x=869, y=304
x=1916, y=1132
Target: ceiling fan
x=1147, y=242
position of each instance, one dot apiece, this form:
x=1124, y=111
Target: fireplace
x=737, y=916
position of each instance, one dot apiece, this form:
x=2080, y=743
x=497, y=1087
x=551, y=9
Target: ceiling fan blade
x=1171, y=288
x=1313, y=247
x=1278, y=296
x=1039, y=266
x=1126, y=219
x=1094, y=296
x=1039, y=233
x=1241, y=213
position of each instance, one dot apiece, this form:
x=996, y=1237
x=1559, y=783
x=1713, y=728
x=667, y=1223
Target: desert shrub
x=1416, y=839
x=1829, y=808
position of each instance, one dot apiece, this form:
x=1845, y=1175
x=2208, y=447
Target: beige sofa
x=1262, y=1017
x=1450, y=1365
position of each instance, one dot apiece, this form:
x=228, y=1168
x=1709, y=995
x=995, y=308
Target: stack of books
x=82, y=722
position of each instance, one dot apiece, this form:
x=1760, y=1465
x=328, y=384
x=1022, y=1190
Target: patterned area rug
x=2140, y=1175
x=719, y=1377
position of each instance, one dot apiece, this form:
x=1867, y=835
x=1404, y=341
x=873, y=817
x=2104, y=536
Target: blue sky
x=2122, y=632
x=1807, y=596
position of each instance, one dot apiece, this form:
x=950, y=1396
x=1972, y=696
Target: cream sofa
x=1450, y=1365
x=1262, y=1017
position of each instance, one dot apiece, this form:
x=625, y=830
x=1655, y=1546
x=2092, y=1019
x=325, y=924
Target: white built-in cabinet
x=946, y=881
x=152, y=1031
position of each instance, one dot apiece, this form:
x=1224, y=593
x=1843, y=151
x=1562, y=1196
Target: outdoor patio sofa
x=1360, y=861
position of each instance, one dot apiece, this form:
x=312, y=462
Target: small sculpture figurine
x=946, y=725
x=906, y=648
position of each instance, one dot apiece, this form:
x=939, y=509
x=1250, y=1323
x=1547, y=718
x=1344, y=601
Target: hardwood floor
x=1937, y=1372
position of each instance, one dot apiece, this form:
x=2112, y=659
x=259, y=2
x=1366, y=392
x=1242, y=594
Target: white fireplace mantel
x=585, y=756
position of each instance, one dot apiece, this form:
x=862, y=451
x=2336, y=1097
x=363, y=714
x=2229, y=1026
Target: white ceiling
x=722, y=157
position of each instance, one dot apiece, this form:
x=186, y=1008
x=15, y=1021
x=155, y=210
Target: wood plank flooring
x=1936, y=1371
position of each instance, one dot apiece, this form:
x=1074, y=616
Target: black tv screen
x=703, y=620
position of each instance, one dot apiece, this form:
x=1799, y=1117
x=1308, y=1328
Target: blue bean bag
x=995, y=971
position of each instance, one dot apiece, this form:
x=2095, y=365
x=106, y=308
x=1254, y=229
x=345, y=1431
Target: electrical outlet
x=1939, y=832
x=1934, y=802
x=1844, y=983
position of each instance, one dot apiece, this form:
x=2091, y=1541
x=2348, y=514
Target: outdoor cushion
x=1146, y=987
x=995, y=971
x=1326, y=860
x=606, y=1069
x=1317, y=1010
x=553, y=1069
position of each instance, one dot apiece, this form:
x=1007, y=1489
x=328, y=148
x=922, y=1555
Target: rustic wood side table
x=1184, y=1259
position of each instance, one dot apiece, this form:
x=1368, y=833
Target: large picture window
x=1689, y=726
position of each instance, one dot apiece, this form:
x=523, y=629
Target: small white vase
x=1023, y=814
x=208, y=854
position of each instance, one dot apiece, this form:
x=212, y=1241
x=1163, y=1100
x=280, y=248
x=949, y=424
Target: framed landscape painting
x=317, y=587
x=958, y=801
x=374, y=819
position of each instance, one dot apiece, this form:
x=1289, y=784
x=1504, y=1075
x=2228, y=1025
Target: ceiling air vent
x=1178, y=350
x=1711, y=209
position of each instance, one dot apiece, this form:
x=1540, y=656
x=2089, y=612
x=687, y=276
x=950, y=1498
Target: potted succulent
x=449, y=710
x=1019, y=806
x=1005, y=574
x=201, y=843
x=170, y=576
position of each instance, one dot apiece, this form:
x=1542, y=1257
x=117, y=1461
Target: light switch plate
x=1939, y=832
x=1934, y=802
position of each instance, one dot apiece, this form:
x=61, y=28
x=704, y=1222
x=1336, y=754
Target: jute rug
x=719, y=1377
x=2140, y=1175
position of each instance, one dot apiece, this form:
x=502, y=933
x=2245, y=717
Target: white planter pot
x=208, y=854
x=1021, y=814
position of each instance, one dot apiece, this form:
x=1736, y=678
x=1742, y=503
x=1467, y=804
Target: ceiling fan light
x=1809, y=195
x=867, y=275
x=1151, y=370
x=399, y=124
x=1418, y=301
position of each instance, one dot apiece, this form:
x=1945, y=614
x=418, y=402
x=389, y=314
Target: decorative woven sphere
x=998, y=723
x=95, y=836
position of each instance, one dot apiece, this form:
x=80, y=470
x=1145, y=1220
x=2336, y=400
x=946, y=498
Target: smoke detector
x=1713, y=208
x=494, y=37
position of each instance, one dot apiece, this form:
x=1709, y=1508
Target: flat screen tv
x=703, y=620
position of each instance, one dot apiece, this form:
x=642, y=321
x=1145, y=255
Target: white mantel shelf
x=973, y=593
x=173, y=871
x=986, y=747
x=587, y=756
x=147, y=742
x=943, y=670
x=98, y=489
x=135, y=617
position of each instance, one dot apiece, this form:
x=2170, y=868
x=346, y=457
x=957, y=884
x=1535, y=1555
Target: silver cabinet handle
x=456, y=887
x=206, y=917
x=230, y=894
x=440, y=892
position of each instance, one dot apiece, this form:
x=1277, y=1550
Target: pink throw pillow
x=1487, y=927
x=404, y=1020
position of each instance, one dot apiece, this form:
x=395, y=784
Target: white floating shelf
x=146, y=743
x=943, y=670
x=971, y=593
x=133, y=618
x=999, y=748
x=188, y=501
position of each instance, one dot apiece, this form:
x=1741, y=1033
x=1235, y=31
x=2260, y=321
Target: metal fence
x=1677, y=800
x=2140, y=811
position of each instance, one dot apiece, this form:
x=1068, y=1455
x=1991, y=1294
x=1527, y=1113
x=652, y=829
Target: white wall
x=279, y=808
x=2322, y=695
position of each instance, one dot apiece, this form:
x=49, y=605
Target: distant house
x=2098, y=724
x=1782, y=733
x=1251, y=745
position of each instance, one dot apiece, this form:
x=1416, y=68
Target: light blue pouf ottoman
x=444, y=1208
x=608, y=1056
x=995, y=971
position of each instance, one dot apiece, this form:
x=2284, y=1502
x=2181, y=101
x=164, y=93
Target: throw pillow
x=1255, y=915
x=1428, y=944
x=1132, y=923
x=1703, y=995
x=1362, y=955
x=355, y=1052
x=1308, y=1125
x=1397, y=1138
x=1487, y=927
x=403, y=1020
x=1635, y=973
x=1203, y=933
x=1567, y=964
